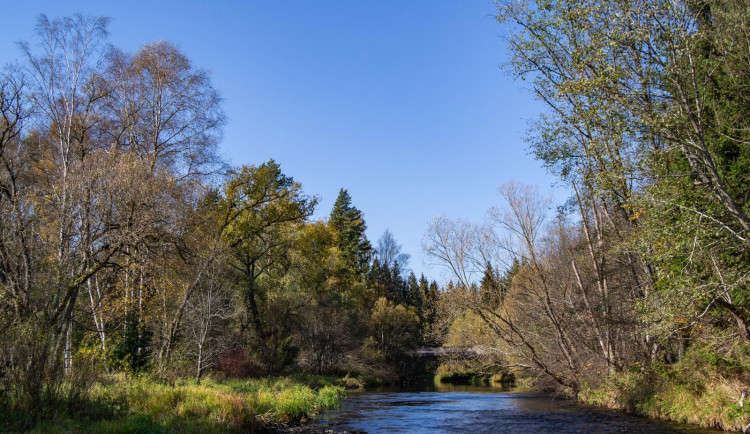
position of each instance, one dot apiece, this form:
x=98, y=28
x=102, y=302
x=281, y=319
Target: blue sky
x=403, y=103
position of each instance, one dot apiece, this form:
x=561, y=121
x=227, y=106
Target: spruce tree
x=413, y=296
x=349, y=222
x=490, y=294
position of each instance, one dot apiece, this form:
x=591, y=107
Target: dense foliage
x=127, y=246
x=646, y=267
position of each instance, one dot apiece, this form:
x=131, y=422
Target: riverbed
x=475, y=410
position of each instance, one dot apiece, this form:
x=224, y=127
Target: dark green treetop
x=349, y=222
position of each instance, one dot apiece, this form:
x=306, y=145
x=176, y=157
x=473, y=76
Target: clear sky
x=403, y=103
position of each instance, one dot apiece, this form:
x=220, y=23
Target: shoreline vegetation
x=141, y=404
x=702, y=389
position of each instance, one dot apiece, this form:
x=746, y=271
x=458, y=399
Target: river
x=475, y=410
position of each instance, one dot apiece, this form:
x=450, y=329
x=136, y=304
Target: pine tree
x=397, y=285
x=490, y=293
x=349, y=222
x=413, y=296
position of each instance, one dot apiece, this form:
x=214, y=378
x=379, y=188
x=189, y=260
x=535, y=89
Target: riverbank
x=120, y=404
x=703, y=389
x=659, y=394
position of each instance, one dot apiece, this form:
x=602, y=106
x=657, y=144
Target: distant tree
x=389, y=251
x=375, y=278
x=397, y=285
x=413, y=296
x=490, y=290
x=395, y=328
x=505, y=281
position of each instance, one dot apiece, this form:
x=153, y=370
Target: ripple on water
x=478, y=413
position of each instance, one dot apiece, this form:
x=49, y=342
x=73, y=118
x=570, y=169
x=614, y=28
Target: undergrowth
x=704, y=389
x=119, y=404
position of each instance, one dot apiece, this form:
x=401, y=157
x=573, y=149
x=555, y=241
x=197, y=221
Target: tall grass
x=140, y=405
x=703, y=389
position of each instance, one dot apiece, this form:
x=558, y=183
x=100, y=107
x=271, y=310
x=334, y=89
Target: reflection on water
x=477, y=410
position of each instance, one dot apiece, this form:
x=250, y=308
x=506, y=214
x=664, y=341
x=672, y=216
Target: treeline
x=643, y=274
x=127, y=245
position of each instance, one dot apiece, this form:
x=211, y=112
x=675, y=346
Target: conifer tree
x=489, y=288
x=349, y=222
x=413, y=295
x=375, y=278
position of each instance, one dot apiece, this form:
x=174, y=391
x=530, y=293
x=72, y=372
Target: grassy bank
x=140, y=405
x=703, y=389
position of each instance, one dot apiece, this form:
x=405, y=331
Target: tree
x=490, y=291
x=538, y=322
x=412, y=295
x=463, y=247
x=325, y=335
x=65, y=94
x=389, y=251
x=261, y=209
x=210, y=311
x=647, y=122
x=350, y=225
x=395, y=328
x=165, y=110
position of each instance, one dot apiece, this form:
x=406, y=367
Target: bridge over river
x=437, y=352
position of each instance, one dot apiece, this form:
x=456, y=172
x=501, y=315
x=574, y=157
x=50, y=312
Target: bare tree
x=209, y=311
x=463, y=248
x=165, y=110
x=66, y=92
x=389, y=252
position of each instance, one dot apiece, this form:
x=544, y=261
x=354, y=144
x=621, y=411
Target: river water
x=475, y=410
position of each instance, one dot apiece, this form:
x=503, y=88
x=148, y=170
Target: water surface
x=478, y=410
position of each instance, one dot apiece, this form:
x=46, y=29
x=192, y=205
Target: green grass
x=703, y=389
x=142, y=405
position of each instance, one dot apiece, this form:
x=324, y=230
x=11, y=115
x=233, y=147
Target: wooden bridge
x=437, y=352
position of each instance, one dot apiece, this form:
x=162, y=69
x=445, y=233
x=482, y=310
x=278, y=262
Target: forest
x=634, y=293
x=129, y=247
x=145, y=282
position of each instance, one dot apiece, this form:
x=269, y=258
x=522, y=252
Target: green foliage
x=143, y=405
x=395, y=328
x=261, y=211
x=703, y=389
x=350, y=226
x=489, y=289
x=130, y=349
